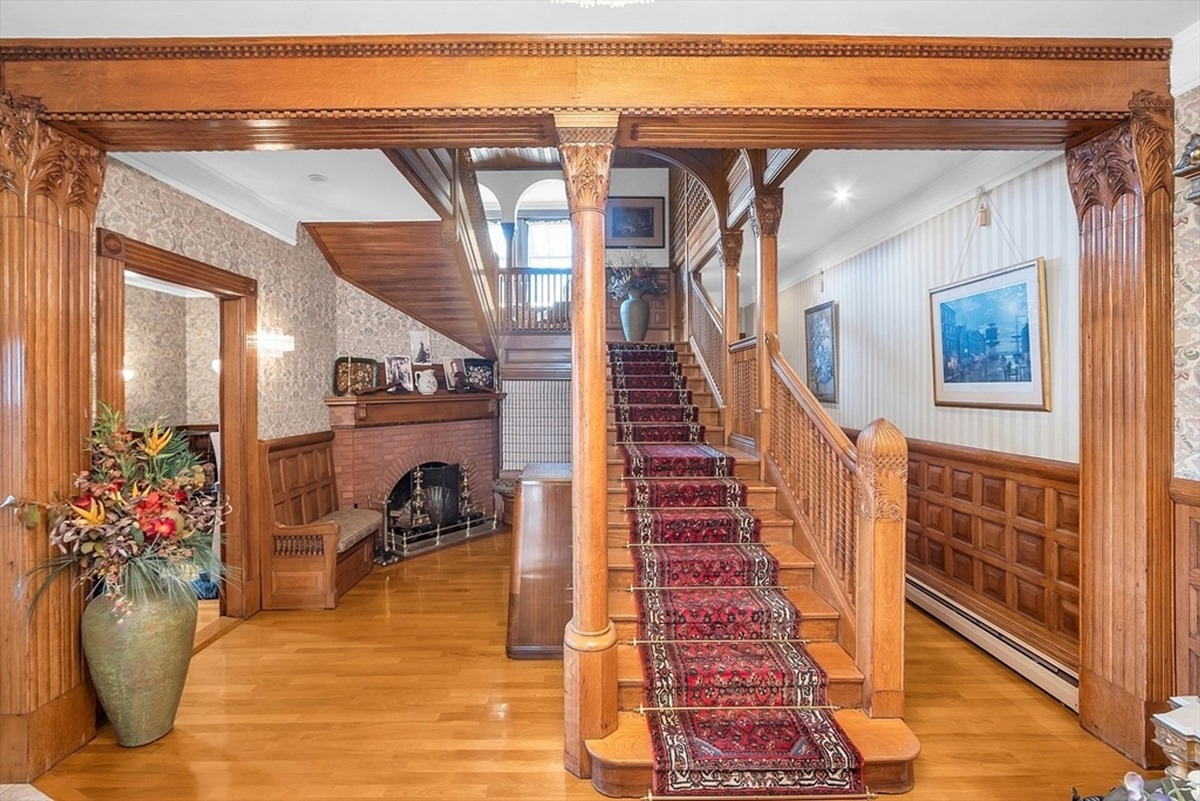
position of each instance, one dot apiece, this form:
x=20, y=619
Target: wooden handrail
x=849, y=504
x=830, y=431
x=707, y=338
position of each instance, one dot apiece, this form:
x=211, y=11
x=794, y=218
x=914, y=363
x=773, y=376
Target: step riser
x=815, y=629
x=709, y=418
x=620, y=578
x=747, y=471
x=630, y=694
x=778, y=533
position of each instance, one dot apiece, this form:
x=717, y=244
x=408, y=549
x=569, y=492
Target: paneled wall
x=999, y=534
x=885, y=361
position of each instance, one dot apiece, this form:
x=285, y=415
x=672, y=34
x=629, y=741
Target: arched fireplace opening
x=429, y=506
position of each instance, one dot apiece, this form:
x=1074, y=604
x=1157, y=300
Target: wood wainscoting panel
x=999, y=534
x=1185, y=494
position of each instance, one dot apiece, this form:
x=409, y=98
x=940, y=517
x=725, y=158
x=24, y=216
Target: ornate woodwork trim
x=683, y=46
x=883, y=472
x=1128, y=159
x=767, y=212
x=587, y=165
x=731, y=250
x=38, y=161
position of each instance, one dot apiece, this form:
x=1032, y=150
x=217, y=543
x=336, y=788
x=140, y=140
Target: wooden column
x=589, y=652
x=49, y=187
x=765, y=215
x=1122, y=186
x=731, y=258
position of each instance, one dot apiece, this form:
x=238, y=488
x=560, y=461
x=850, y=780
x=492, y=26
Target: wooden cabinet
x=539, y=600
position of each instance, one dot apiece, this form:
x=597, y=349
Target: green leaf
x=30, y=516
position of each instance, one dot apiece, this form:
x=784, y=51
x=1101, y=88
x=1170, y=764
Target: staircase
x=622, y=763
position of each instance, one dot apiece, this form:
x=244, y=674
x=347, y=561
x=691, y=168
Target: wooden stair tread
x=883, y=742
x=812, y=606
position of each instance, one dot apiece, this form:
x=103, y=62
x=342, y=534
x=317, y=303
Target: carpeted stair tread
x=812, y=607
x=789, y=557
x=844, y=677
x=621, y=762
x=775, y=528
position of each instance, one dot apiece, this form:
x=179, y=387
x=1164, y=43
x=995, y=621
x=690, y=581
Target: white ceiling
x=272, y=189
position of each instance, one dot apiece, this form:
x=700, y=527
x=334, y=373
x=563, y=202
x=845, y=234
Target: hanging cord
x=983, y=210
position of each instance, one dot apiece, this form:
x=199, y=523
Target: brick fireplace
x=377, y=440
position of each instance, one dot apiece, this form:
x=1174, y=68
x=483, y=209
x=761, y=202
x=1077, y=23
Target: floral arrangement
x=1168, y=789
x=138, y=523
x=632, y=274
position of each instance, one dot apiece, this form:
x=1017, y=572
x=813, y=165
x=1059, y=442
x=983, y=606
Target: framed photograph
x=989, y=340
x=398, y=373
x=820, y=346
x=421, y=354
x=634, y=222
x=454, y=373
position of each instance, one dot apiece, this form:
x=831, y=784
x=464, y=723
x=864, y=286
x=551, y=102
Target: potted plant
x=629, y=277
x=137, y=532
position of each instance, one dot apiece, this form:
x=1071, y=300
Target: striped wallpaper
x=884, y=352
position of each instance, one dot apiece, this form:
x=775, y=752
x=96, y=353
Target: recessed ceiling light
x=841, y=195
x=317, y=178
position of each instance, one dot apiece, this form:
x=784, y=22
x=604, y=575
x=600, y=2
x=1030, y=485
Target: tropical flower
x=140, y=520
x=631, y=274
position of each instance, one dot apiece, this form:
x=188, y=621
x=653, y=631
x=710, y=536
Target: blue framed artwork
x=989, y=340
x=820, y=347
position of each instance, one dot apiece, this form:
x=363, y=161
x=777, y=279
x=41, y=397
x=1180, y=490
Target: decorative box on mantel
x=364, y=411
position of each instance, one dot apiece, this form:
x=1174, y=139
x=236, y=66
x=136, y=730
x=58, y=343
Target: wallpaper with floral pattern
x=156, y=331
x=298, y=294
x=1187, y=302
x=203, y=346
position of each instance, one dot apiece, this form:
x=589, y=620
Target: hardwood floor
x=404, y=692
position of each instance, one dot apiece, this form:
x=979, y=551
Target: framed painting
x=634, y=222
x=820, y=347
x=989, y=340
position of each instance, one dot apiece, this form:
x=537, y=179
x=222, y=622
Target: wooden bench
x=312, y=551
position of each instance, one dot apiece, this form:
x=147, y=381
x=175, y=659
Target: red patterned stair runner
x=735, y=704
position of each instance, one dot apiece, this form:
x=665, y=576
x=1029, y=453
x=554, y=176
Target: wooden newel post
x=882, y=503
x=589, y=644
x=765, y=215
x=731, y=258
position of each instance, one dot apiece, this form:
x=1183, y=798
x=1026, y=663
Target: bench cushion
x=355, y=524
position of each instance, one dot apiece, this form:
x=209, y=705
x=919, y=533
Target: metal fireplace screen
x=428, y=507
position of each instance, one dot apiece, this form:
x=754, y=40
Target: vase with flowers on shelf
x=630, y=277
x=137, y=534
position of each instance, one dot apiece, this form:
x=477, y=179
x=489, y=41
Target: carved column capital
x=767, y=212
x=731, y=250
x=587, y=165
x=1132, y=158
x=36, y=160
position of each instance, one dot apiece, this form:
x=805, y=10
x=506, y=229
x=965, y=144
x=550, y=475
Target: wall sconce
x=274, y=344
x=216, y=366
x=127, y=374
x=1188, y=168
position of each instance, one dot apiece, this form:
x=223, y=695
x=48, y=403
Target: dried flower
x=140, y=520
x=631, y=274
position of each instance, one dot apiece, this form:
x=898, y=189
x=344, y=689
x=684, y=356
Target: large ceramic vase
x=138, y=657
x=635, y=317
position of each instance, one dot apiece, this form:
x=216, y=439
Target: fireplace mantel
x=367, y=411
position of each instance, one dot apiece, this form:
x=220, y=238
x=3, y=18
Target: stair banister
x=707, y=338
x=850, y=505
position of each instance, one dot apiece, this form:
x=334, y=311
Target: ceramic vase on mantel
x=635, y=317
x=138, y=656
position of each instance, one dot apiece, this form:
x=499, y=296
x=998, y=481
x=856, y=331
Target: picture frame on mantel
x=634, y=222
x=989, y=340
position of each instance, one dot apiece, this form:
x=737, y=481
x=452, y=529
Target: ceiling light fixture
x=841, y=195
x=606, y=3
x=317, y=178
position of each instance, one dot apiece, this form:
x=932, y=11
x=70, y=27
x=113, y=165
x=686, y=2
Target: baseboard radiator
x=1053, y=678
